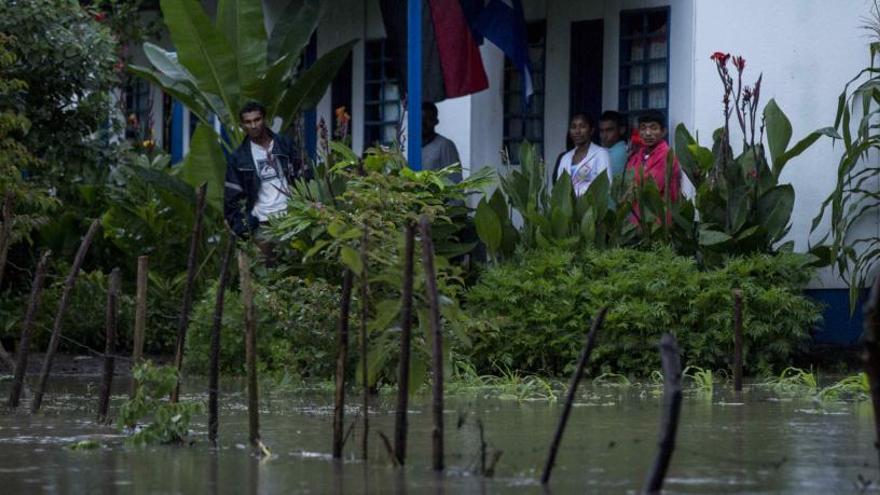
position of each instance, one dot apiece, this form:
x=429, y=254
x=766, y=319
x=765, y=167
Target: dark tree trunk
x=437, y=341
x=216, y=327
x=341, y=358
x=669, y=354
x=110, y=324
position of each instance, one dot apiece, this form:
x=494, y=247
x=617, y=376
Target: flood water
x=755, y=443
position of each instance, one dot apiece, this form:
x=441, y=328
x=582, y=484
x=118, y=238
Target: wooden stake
x=27, y=328
x=110, y=320
x=59, y=315
x=598, y=321
x=216, y=328
x=737, y=341
x=437, y=341
x=186, y=304
x=341, y=358
x=669, y=354
x=6, y=232
x=400, y=418
x=250, y=325
x=365, y=313
x=140, y=317
x=871, y=354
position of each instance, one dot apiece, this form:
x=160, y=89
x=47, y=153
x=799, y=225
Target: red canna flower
x=720, y=57
x=739, y=63
x=100, y=16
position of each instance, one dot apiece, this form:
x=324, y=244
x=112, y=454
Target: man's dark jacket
x=243, y=181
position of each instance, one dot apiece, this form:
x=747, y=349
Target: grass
x=506, y=385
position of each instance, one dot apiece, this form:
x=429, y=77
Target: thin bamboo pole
x=216, y=327
x=140, y=317
x=186, y=304
x=27, y=328
x=590, y=342
x=436, y=344
x=250, y=324
x=110, y=321
x=669, y=355
x=59, y=315
x=400, y=418
x=341, y=358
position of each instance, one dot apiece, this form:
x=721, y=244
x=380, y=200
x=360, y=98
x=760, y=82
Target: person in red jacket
x=647, y=160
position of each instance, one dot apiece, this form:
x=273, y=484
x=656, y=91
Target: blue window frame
x=525, y=122
x=644, y=62
x=381, y=95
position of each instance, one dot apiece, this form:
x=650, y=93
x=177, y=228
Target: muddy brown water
x=755, y=443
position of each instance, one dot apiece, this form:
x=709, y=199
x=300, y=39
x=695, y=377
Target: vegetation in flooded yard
x=333, y=298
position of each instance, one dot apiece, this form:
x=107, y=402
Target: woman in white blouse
x=586, y=160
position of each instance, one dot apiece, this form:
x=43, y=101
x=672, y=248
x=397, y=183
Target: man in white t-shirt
x=259, y=173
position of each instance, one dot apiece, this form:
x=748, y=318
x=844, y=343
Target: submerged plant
x=854, y=387
x=793, y=380
x=702, y=379
x=169, y=422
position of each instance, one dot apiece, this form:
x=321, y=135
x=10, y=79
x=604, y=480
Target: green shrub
x=169, y=422
x=296, y=329
x=531, y=314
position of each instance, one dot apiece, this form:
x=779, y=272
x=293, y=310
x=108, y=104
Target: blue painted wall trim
x=176, y=132
x=837, y=327
x=414, y=83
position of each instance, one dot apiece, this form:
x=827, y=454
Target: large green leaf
x=185, y=92
x=293, y=29
x=712, y=237
x=686, y=159
x=312, y=84
x=488, y=226
x=775, y=209
x=801, y=146
x=241, y=21
x=778, y=133
x=167, y=62
x=562, y=196
x=205, y=163
x=203, y=50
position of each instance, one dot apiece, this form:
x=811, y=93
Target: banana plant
x=219, y=65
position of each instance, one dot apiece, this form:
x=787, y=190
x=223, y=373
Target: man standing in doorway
x=611, y=132
x=437, y=151
x=259, y=172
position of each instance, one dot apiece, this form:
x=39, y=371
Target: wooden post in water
x=140, y=317
x=341, y=358
x=437, y=340
x=59, y=315
x=186, y=304
x=27, y=327
x=590, y=342
x=406, y=294
x=110, y=320
x=250, y=340
x=737, y=341
x=364, y=337
x=216, y=328
x=669, y=354
x=871, y=354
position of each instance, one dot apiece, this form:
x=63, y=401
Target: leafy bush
x=170, y=421
x=296, y=329
x=531, y=313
